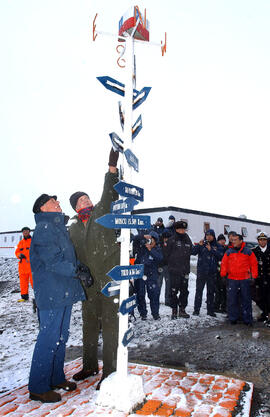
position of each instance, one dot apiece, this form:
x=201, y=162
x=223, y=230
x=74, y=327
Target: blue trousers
x=233, y=289
x=153, y=291
x=47, y=368
x=210, y=281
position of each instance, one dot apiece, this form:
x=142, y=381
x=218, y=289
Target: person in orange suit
x=22, y=252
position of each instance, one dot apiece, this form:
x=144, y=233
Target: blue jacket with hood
x=53, y=263
x=208, y=260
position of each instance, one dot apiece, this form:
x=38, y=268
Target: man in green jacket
x=97, y=248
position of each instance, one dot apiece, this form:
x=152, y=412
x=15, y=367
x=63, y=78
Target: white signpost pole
x=122, y=352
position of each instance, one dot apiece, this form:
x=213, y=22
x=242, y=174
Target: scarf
x=85, y=213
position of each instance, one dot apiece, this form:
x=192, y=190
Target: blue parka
x=53, y=263
x=150, y=259
x=208, y=260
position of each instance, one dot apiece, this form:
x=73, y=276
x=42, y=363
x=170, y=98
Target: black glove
x=113, y=158
x=21, y=257
x=84, y=275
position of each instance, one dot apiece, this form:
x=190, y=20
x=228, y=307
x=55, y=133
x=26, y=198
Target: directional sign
x=129, y=190
x=128, y=305
x=137, y=127
x=140, y=97
x=120, y=273
x=113, y=85
x=121, y=114
x=111, y=289
x=123, y=206
x=128, y=336
x=132, y=160
x=117, y=142
x=124, y=221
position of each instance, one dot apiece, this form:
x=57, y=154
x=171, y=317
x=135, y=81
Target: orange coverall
x=25, y=273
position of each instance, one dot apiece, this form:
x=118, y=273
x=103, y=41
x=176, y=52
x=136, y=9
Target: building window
x=21, y=237
x=206, y=226
x=12, y=238
x=258, y=231
x=5, y=239
x=244, y=231
x=226, y=229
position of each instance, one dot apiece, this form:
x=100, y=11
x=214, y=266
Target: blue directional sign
x=123, y=206
x=120, y=272
x=128, y=336
x=132, y=160
x=137, y=127
x=128, y=305
x=111, y=289
x=129, y=190
x=113, y=85
x=140, y=97
x=124, y=221
x=117, y=142
x=121, y=114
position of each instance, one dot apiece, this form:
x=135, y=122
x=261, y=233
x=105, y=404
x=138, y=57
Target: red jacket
x=239, y=264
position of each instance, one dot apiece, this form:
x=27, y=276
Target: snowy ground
x=19, y=328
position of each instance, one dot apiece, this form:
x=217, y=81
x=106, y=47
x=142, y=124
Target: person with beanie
x=57, y=286
x=209, y=254
x=177, y=252
x=97, y=247
x=22, y=252
x=220, y=299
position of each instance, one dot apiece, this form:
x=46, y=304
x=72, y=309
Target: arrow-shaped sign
x=111, y=289
x=129, y=190
x=123, y=206
x=113, y=85
x=124, y=221
x=137, y=127
x=128, y=336
x=140, y=97
x=128, y=305
x=120, y=273
x=132, y=160
x=117, y=142
x=121, y=114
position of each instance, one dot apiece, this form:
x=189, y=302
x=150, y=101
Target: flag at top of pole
x=129, y=21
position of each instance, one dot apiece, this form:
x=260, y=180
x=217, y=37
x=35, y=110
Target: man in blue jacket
x=148, y=253
x=209, y=254
x=54, y=268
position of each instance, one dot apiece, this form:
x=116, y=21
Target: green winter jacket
x=94, y=244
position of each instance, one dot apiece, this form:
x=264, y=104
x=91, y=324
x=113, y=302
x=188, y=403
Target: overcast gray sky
x=205, y=140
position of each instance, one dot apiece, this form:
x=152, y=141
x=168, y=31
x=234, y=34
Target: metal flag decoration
x=120, y=272
x=124, y=221
x=111, y=289
x=128, y=336
x=123, y=206
x=129, y=190
x=132, y=160
x=117, y=142
x=137, y=127
x=115, y=86
x=128, y=305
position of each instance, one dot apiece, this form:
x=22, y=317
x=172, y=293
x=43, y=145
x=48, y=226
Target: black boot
x=182, y=313
x=174, y=314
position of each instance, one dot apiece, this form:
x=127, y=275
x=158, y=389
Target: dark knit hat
x=210, y=232
x=26, y=228
x=160, y=219
x=75, y=197
x=220, y=237
x=180, y=225
x=41, y=200
x=154, y=235
x=171, y=217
